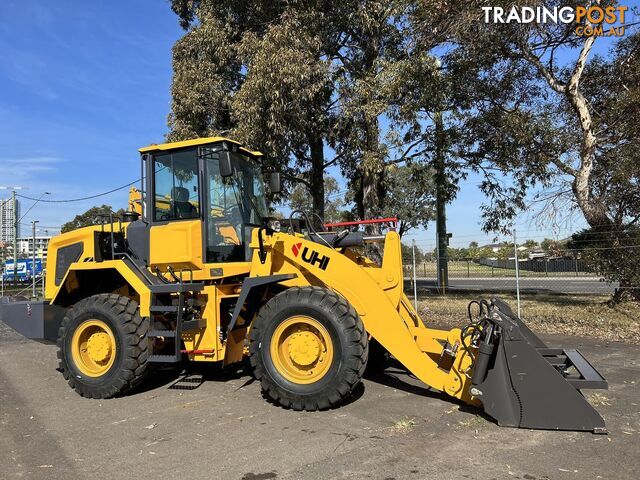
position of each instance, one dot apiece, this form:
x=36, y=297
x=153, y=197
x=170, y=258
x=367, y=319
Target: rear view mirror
x=226, y=167
x=274, y=182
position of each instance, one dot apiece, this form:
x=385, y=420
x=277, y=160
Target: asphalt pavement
x=395, y=428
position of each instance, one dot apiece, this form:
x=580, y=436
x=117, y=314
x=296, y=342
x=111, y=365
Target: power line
x=82, y=198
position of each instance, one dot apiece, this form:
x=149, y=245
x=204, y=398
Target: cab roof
x=193, y=142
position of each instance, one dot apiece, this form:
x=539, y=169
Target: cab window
x=225, y=225
x=176, y=186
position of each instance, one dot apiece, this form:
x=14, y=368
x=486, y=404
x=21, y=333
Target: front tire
x=308, y=348
x=103, y=346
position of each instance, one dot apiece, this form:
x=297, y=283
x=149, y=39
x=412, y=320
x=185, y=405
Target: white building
x=25, y=246
x=7, y=232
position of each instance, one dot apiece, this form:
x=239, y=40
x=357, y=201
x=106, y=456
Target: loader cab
x=202, y=200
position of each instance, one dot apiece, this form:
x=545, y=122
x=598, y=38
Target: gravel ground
x=395, y=429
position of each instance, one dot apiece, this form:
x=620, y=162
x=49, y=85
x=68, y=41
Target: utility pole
x=415, y=284
x=33, y=265
x=3, y=228
x=15, y=237
x=515, y=256
x=441, y=203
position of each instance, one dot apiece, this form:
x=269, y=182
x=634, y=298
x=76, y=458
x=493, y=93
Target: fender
x=253, y=287
x=132, y=278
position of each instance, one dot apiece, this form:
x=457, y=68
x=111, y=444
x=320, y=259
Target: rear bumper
x=38, y=321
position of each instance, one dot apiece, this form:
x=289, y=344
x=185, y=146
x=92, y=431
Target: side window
x=176, y=186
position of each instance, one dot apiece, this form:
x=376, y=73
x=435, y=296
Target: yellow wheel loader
x=198, y=271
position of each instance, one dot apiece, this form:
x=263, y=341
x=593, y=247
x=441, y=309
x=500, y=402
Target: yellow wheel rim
x=93, y=348
x=301, y=350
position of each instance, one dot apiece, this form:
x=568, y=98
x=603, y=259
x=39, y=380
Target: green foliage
x=554, y=248
x=258, y=72
x=334, y=202
x=90, y=217
x=407, y=254
x=616, y=260
x=505, y=252
x=357, y=84
x=410, y=196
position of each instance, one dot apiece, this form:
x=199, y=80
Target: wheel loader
x=198, y=271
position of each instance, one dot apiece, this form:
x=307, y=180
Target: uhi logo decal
x=311, y=256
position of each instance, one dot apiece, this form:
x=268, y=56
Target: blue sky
x=85, y=84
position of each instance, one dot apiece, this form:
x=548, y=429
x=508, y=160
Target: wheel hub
x=304, y=348
x=93, y=348
x=301, y=349
x=99, y=347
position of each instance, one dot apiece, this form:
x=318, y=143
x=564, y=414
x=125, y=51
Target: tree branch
x=536, y=62
x=297, y=180
x=580, y=64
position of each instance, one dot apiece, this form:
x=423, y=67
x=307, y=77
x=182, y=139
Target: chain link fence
x=558, y=284
x=548, y=275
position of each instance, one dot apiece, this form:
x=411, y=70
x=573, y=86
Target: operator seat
x=181, y=206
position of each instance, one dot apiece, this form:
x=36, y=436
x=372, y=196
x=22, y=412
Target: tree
x=484, y=252
x=258, y=72
x=407, y=254
x=334, y=202
x=409, y=196
x=552, y=247
x=4, y=253
x=506, y=252
x=617, y=263
x=535, y=108
x=93, y=216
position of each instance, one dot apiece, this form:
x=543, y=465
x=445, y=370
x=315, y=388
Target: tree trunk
x=372, y=173
x=611, y=238
x=372, y=186
x=317, y=175
x=593, y=210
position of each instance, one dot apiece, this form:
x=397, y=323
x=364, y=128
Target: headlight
x=274, y=225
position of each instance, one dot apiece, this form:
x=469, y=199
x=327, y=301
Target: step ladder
x=165, y=292
x=187, y=381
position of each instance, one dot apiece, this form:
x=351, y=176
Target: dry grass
x=597, y=399
x=581, y=315
x=404, y=425
x=474, y=421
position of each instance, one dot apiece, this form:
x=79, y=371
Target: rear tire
x=117, y=359
x=324, y=345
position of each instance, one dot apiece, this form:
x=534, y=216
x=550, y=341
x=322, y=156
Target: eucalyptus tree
x=307, y=82
x=551, y=127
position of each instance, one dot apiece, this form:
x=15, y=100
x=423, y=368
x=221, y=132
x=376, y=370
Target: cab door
x=176, y=211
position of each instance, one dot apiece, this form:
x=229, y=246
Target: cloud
x=25, y=168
